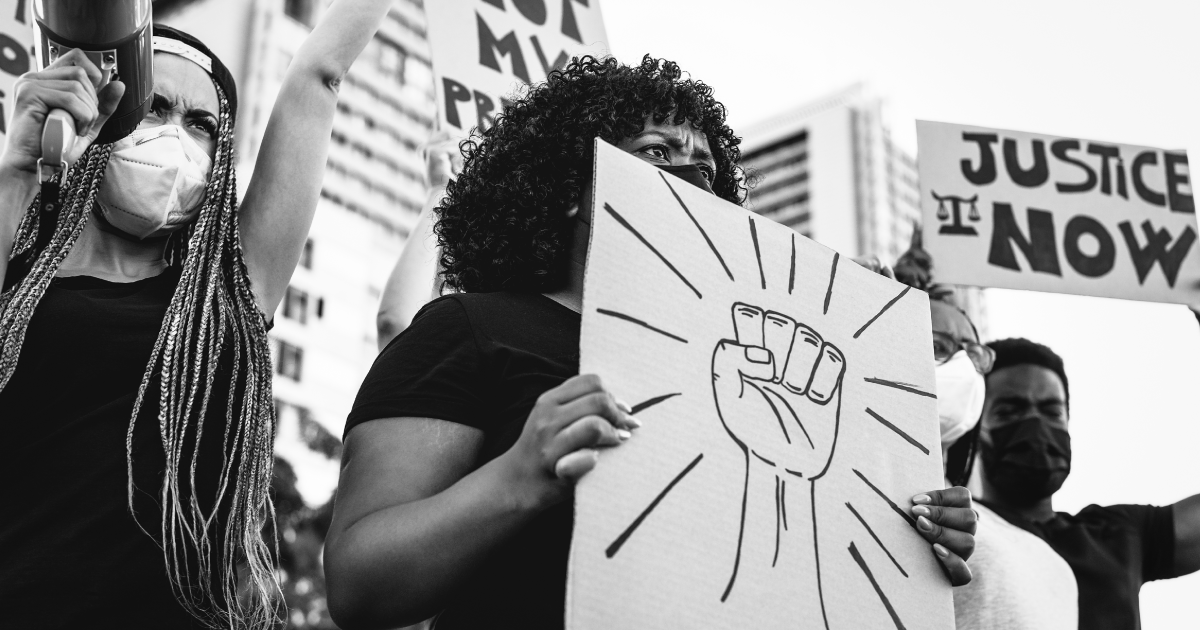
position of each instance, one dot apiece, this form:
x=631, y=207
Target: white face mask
x=155, y=179
x=960, y=392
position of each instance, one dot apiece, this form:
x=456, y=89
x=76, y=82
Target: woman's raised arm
x=278, y=208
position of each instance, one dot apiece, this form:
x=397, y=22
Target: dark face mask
x=691, y=174
x=1027, y=461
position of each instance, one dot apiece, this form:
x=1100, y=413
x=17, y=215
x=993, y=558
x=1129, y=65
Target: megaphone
x=116, y=36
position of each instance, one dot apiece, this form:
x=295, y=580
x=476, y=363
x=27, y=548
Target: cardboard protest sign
x=1029, y=211
x=16, y=53
x=485, y=50
x=786, y=396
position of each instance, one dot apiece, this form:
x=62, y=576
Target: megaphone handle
x=58, y=137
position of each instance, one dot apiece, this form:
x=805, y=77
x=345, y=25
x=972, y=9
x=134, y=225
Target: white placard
x=1029, y=211
x=16, y=53
x=786, y=396
x=484, y=51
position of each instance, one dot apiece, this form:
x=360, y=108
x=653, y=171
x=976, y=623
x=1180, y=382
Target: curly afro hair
x=502, y=225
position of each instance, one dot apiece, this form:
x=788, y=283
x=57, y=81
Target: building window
x=387, y=58
x=299, y=10
x=295, y=305
x=306, y=255
x=291, y=358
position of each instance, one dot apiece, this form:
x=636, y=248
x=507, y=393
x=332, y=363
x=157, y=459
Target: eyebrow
x=675, y=141
x=161, y=99
x=1012, y=400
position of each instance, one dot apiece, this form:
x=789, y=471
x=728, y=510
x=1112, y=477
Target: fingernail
x=623, y=407
x=623, y=434
x=941, y=551
x=921, y=510
x=758, y=355
x=637, y=424
x=922, y=498
x=924, y=524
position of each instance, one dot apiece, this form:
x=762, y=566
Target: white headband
x=176, y=47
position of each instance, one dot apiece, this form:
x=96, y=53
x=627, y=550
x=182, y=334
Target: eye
x=159, y=105
x=942, y=348
x=656, y=151
x=205, y=124
x=709, y=174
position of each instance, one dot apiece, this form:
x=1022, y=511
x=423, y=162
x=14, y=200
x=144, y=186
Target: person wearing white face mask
x=169, y=172
x=1019, y=583
x=135, y=372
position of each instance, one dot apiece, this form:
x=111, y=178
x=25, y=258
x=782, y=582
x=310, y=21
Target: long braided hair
x=212, y=326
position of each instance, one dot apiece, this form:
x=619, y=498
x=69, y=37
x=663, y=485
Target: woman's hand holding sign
x=946, y=519
x=559, y=440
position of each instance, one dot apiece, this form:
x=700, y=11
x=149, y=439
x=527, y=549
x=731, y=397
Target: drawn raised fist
x=778, y=390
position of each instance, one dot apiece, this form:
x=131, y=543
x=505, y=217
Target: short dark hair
x=1020, y=351
x=503, y=223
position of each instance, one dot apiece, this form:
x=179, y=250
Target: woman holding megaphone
x=135, y=375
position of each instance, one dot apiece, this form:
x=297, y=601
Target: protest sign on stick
x=786, y=396
x=1029, y=211
x=484, y=51
x=16, y=35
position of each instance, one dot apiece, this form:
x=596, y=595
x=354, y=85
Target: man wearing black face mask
x=1026, y=457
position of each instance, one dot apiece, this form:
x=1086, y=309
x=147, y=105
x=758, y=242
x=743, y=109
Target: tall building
x=324, y=337
x=830, y=171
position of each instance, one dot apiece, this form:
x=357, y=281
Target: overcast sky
x=1121, y=72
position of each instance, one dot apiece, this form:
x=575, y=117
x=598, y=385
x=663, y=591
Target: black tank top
x=71, y=553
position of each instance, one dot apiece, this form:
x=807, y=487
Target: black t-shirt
x=71, y=554
x=482, y=359
x=1112, y=550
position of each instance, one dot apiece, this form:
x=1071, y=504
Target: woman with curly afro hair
x=473, y=426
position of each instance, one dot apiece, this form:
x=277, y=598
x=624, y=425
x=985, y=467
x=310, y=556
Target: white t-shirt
x=1019, y=582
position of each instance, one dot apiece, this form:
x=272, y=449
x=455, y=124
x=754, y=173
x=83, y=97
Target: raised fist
x=778, y=389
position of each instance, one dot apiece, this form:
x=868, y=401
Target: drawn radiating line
x=616, y=544
x=757, y=252
x=775, y=409
x=620, y=219
x=634, y=320
x=764, y=459
x=642, y=406
x=882, y=311
x=783, y=501
x=862, y=564
x=832, y=274
x=698, y=227
x=896, y=508
x=900, y=386
x=898, y=431
x=792, y=273
x=791, y=411
x=777, y=523
x=880, y=542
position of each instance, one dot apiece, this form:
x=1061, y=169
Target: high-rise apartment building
x=324, y=334
x=830, y=171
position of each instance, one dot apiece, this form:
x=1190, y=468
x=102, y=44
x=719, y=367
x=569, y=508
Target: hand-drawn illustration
x=773, y=368
x=788, y=415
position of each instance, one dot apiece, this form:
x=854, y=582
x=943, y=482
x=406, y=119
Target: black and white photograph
x=599, y=314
